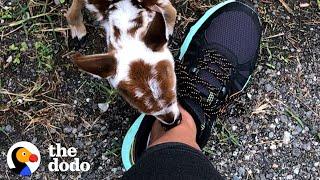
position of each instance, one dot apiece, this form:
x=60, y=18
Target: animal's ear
x=103, y=65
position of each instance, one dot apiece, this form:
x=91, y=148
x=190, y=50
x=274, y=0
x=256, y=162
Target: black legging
x=172, y=161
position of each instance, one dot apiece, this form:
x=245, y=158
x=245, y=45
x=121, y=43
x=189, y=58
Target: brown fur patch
x=140, y=74
x=165, y=78
x=103, y=65
x=138, y=24
x=148, y=3
x=155, y=37
x=101, y=5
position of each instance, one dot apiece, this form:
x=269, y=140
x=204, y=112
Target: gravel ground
x=271, y=132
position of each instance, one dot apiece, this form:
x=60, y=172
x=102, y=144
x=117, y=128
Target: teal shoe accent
x=128, y=142
x=196, y=27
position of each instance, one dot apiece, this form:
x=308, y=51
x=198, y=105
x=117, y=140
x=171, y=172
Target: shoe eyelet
x=194, y=70
x=222, y=93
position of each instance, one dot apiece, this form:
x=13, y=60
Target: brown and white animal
x=138, y=62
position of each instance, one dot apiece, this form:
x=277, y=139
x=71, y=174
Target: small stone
x=75, y=102
x=269, y=176
x=307, y=146
x=67, y=130
x=271, y=134
x=234, y=128
x=297, y=130
x=316, y=164
x=283, y=118
x=273, y=147
x=304, y=5
x=235, y=177
x=268, y=87
x=93, y=151
x=57, y=2
x=309, y=114
x=103, y=128
x=272, y=126
x=20, y=101
x=53, y=130
x=289, y=177
x=103, y=107
x=241, y=171
x=247, y=157
x=249, y=95
x=296, y=170
x=114, y=170
x=286, y=137
x=262, y=177
x=275, y=166
x=296, y=152
x=8, y=128
x=88, y=100
x=9, y=59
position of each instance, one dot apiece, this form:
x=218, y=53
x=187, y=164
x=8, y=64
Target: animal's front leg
x=75, y=19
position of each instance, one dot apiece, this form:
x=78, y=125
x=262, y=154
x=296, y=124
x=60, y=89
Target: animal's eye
x=24, y=154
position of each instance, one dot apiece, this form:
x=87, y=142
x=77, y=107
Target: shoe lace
x=187, y=81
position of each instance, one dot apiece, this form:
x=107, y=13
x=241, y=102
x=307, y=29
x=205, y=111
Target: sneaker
x=215, y=64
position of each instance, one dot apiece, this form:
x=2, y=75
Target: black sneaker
x=216, y=61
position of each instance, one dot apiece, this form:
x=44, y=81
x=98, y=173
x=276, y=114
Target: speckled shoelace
x=187, y=82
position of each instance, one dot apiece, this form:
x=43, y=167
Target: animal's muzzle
x=170, y=121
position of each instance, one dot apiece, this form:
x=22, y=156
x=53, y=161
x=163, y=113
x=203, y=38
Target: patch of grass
x=318, y=136
x=44, y=56
x=295, y=117
x=208, y=151
x=226, y=135
x=111, y=93
x=115, y=152
x=17, y=50
x=6, y=13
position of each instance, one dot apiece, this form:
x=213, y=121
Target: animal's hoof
x=77, y=44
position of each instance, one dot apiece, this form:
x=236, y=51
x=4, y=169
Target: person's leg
x=184, y=133
x=173, y=154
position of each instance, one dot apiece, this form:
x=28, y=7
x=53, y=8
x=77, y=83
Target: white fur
x=138, y=93
x=155, y=89
x=92, y=8
x=130, y=49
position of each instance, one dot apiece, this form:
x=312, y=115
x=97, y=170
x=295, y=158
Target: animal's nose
x=33, y=158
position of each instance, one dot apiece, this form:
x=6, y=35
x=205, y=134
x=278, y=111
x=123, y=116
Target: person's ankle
x=184, y=133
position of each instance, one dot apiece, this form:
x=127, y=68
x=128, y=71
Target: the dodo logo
x=23, y=158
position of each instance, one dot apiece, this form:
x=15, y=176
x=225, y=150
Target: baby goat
x=138, y=62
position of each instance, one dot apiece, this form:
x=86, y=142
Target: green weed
x=295, y=117
x=226, y=135
x=44, y=56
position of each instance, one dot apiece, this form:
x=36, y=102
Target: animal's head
x=23, y=155
x=150, y=88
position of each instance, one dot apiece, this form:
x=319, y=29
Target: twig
x=285, y=5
